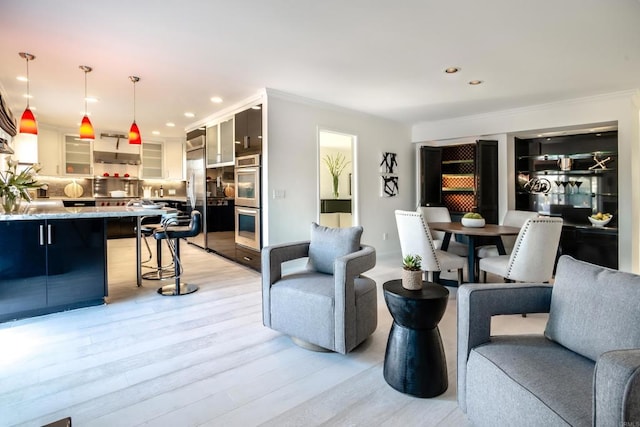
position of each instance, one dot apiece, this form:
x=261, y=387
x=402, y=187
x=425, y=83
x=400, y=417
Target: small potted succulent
x=412, y=272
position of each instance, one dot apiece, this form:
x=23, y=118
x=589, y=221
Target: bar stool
x=172, y=233
x=159, y=271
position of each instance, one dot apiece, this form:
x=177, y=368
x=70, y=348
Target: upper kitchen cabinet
x=49, y=152
x=77, y=156
x=152, y=164
x=174, y=160
x=220, y=143
x=248, y=131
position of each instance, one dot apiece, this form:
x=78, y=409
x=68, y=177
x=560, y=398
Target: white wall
x=622, y=107
x=291, y=165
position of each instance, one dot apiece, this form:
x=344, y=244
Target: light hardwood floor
x=205, y=359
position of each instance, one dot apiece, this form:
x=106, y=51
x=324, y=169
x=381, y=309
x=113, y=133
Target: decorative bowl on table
x=600, y=221
x=473, y=222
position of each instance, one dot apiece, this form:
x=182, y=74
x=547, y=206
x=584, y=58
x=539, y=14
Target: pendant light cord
x=28, y=81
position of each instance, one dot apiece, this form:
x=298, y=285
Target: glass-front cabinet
x=220, y=143
x=573, y=177
x=152, y=155
x=77, y=156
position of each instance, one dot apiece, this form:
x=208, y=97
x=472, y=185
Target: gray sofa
x=584, y=370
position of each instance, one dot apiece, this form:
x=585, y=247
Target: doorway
x=337, y=179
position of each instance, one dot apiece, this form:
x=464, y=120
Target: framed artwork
x=388, y=186
x=389, y=163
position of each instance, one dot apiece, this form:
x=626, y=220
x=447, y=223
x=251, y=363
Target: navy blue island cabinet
x=51, y=265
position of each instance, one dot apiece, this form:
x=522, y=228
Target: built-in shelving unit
x=572, y=176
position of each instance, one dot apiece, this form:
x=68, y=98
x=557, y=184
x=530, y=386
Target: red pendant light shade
x=134, y=132
x=28, y=121
x=86, y=128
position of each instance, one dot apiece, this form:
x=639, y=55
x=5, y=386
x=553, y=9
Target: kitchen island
x=54, y=258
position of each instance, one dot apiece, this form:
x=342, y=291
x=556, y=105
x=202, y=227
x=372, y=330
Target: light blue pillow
x=328, y=243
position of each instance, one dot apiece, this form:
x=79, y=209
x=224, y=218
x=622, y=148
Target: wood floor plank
x=205, y=359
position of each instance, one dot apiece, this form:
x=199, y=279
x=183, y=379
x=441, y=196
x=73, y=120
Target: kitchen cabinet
x=51, y=265
x=174, y=160
x=573, y=176
x=248, y=257
x=248, y=131
x=152, y=160
x=464, y=178
x=77, y=156
x=49, y=152
x=220, y=143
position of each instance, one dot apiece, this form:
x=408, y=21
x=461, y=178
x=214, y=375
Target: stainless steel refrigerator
x=197, y=186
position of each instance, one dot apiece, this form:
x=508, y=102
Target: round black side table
x=414, y=362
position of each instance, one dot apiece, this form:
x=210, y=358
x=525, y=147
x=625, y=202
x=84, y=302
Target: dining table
x=492, y=232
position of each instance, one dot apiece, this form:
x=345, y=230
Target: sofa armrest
x=617, y=388
x=272, y=258
x=477, y=303
x=346, y=269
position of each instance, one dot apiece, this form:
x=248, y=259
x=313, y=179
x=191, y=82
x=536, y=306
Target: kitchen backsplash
x=101, y=186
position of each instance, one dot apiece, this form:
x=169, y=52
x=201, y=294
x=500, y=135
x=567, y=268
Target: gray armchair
x=329, y=305
x=584, y=370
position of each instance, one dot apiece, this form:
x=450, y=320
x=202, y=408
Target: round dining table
x=492, y=231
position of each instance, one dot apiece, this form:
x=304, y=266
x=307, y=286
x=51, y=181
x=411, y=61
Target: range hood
x=105, y=151
x=116, y=157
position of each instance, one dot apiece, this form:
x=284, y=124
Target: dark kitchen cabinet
x=573, y=176
x=464, y=178
x=248, y=257
x=248, y=131
x=51, y=265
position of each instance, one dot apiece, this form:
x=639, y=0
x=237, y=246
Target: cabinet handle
x=49, y=234
x=246, y=142
x=246, y=258
x=41, y=235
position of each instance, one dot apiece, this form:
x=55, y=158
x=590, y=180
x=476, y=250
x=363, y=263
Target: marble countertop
x=58, y=212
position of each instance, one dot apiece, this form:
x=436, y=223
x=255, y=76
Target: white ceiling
x=382, y=57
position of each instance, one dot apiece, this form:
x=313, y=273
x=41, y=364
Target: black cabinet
x=248, y=131
x=52, y=265
x=464, y=178
x=573, y=176
x=248, y=257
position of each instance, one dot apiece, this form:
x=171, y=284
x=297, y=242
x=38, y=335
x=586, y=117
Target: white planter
x=472, y=222
x=412, y=280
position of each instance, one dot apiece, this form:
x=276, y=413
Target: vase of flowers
x=15, y=186
x=412, y=272
x=336, y=165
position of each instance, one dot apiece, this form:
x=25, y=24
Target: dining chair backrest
x=534, y=253
x=515, y=218
x=435, y=214
x=415, y=239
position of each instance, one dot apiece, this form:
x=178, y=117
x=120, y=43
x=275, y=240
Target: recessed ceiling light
x=170, y=124
x=475, y=82
x=452, y=70
x=189, y=114
x=216, y=99
x=22, y=79
x=155, y=132
x=91, y=99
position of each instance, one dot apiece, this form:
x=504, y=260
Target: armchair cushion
x=328, y=243
x=606, y=299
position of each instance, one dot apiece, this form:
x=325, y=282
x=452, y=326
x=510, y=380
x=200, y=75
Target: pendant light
x=86, y=128
x=134, y=132
x=28, y=121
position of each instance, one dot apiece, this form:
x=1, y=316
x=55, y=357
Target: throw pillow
x=328, y=243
